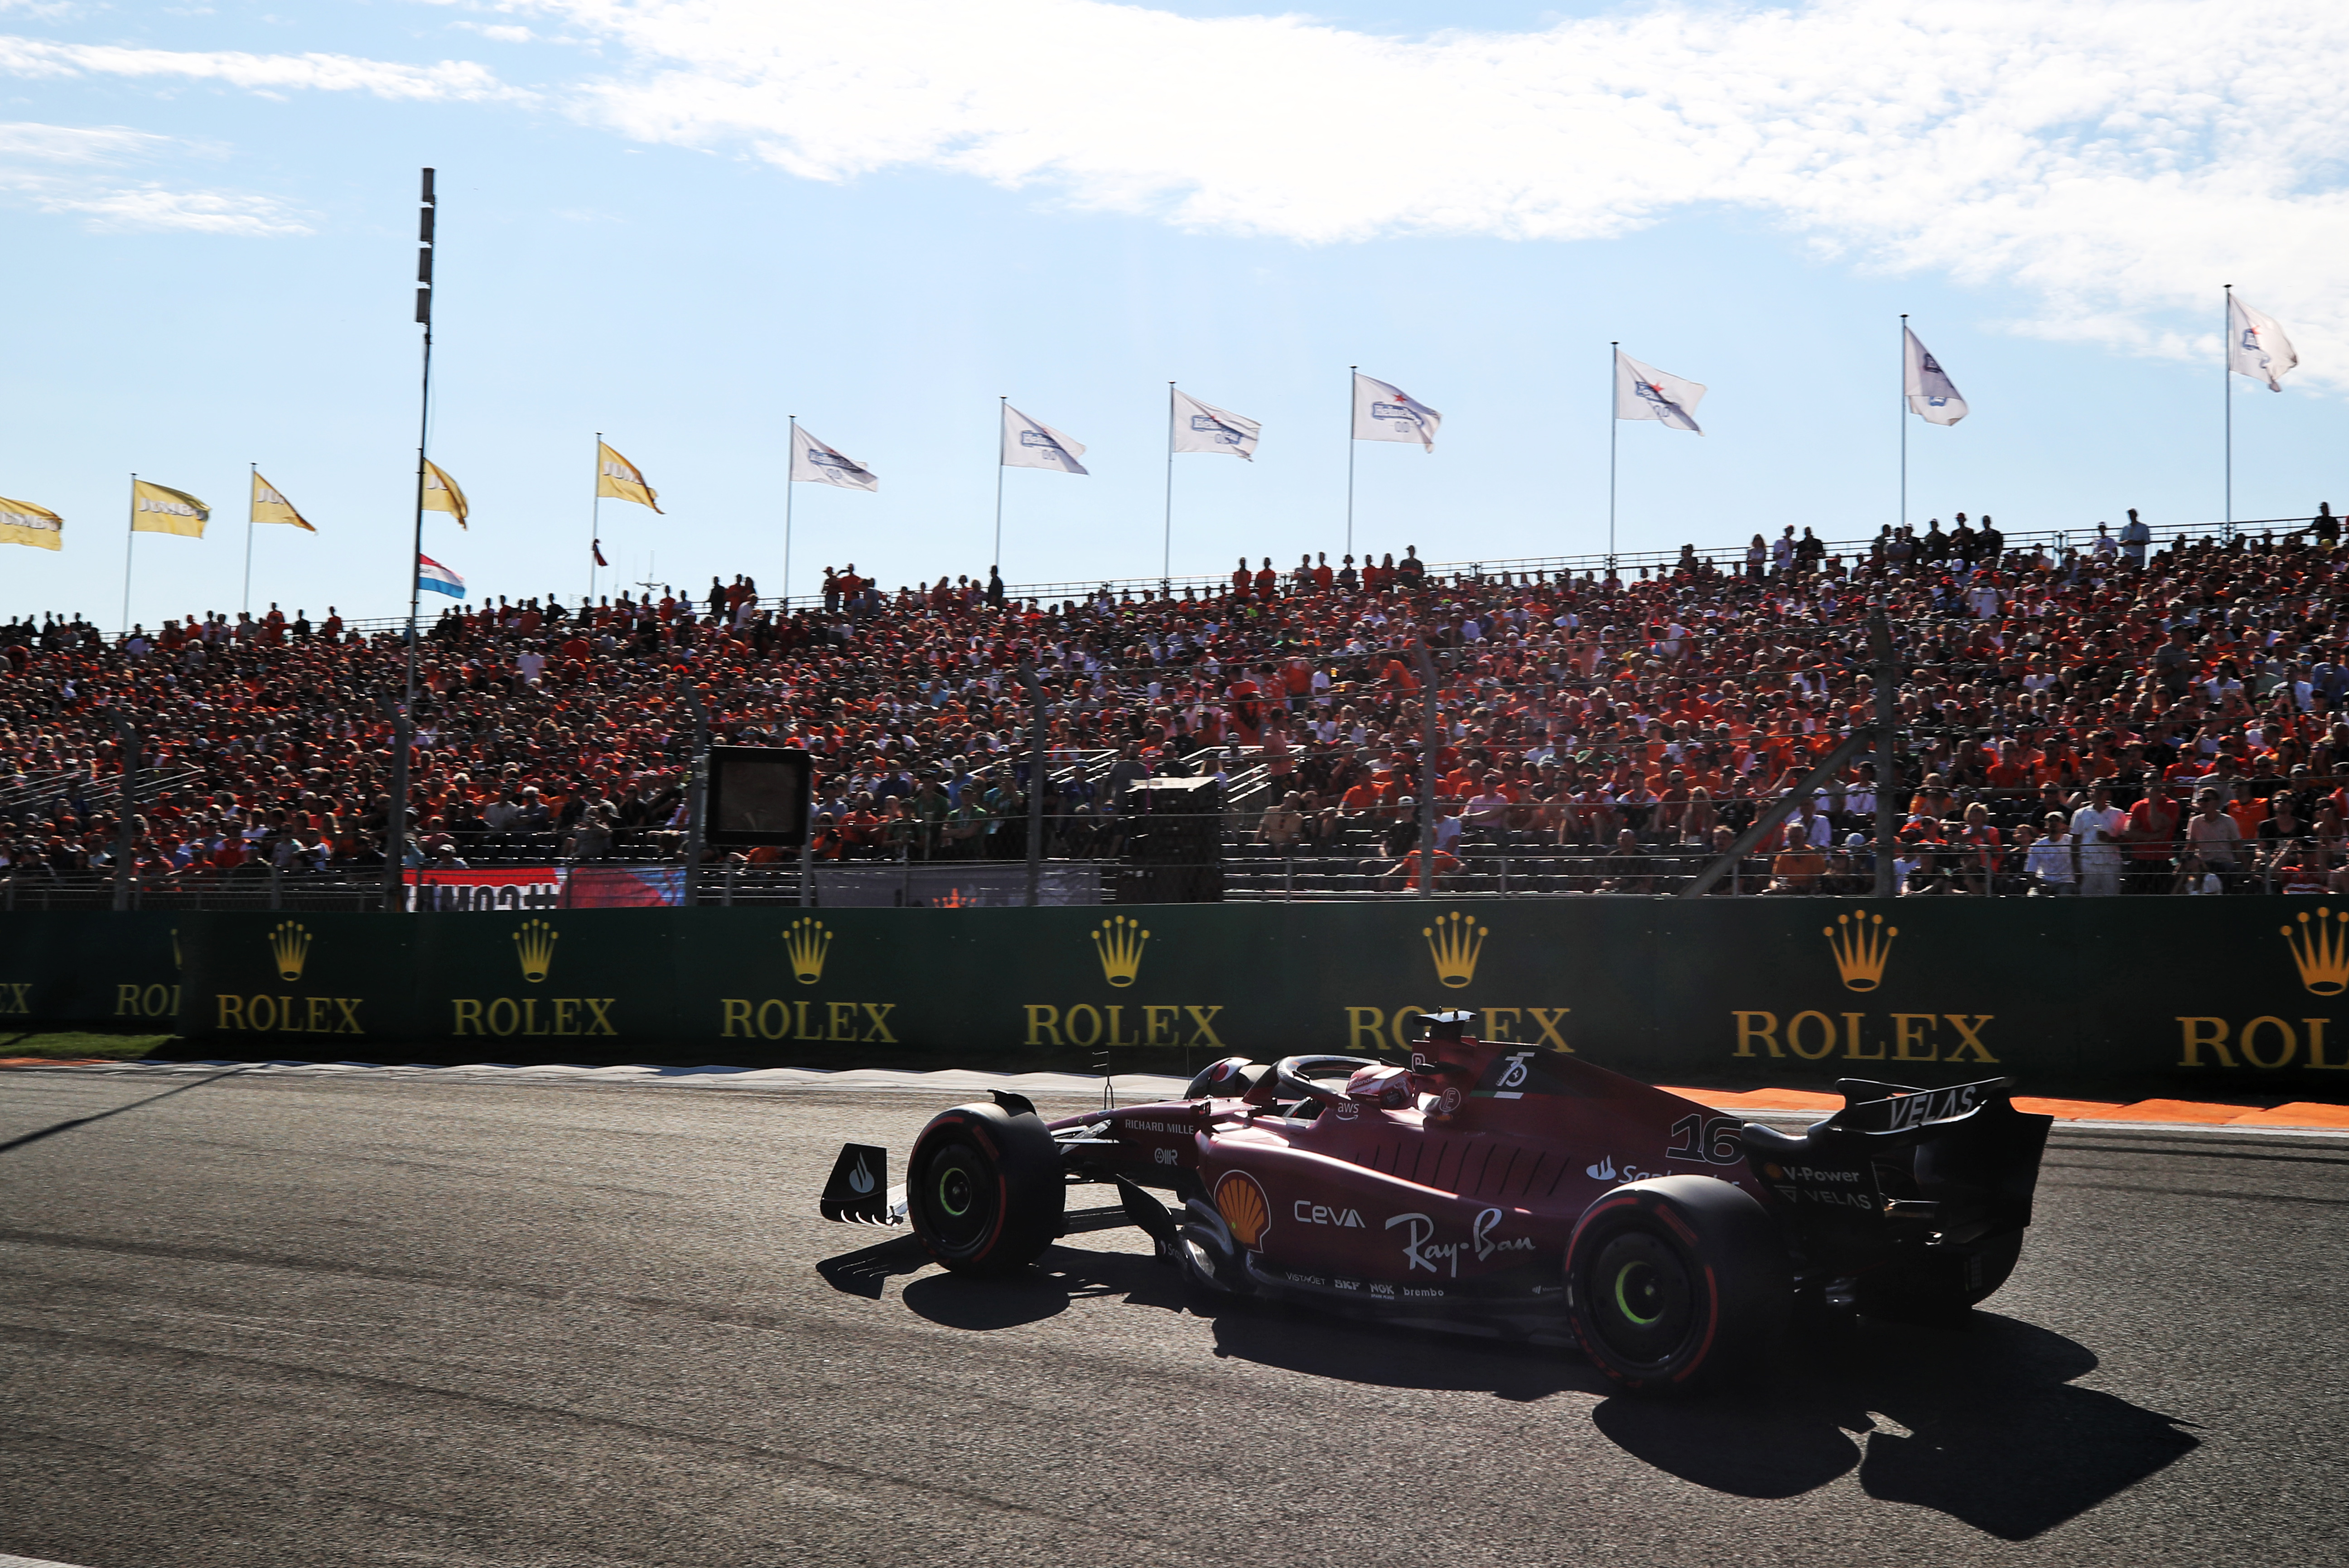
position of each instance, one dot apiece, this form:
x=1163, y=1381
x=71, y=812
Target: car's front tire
x=984, y=1188
x=1676, y=1282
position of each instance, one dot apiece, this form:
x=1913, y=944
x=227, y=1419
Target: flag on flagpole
x=159, y=509
x=268, y=506
x=22, y=522
x=432, y=576
x=1932, y=396
x=814, y=463
x=1644, y=392
x=1383, y=411
x=1028, y=443
x=441, y=494
x=618, y=478
x=2256, y=345
x=1203, y=427
x=596, y=545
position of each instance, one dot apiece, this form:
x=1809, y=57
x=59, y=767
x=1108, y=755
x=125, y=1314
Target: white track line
x=8, y=1561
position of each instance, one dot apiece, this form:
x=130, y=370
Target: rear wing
x=1902, y=1166
x=859, y=1192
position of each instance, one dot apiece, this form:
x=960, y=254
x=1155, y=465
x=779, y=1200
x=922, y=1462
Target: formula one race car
x=1499, y=1190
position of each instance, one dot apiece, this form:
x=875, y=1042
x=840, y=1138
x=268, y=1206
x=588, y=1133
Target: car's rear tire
x=1676, y=1284
x=1937, y=1290
x=984, y=1189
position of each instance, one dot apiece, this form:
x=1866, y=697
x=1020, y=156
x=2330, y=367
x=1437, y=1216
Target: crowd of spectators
x=2121, y=718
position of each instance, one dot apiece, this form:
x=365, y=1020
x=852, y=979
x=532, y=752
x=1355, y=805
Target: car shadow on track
x=1981, y=1423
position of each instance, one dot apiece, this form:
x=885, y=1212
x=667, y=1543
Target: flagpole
x=1904, y=420
x=2227, y=390
x=129, y=544
x=395, y=826
x=1167, y=563
x=247, y=608
x=791, y=464
x=1004, y=402
x=596, y=520
x=1614, y=370
x=1352, y=371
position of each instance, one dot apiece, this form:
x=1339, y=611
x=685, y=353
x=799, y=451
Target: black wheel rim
x=958, y=1191
x=1642, y=1299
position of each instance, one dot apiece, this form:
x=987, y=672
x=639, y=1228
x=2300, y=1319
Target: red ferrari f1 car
x=1500, y=1190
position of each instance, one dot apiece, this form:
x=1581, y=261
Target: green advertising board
x=2212, y=997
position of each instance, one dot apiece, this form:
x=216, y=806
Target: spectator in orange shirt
x=1797, y=867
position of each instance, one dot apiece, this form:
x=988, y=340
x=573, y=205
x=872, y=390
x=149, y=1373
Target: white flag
x=1027, y=444
x=1644, y=392
x=813, y=463
x=1384, y=412
x=1932, y=396
x=2256, y=345
x=1203, y=427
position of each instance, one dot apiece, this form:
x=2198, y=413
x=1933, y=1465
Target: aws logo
x=533, y=1017
x=288, y=944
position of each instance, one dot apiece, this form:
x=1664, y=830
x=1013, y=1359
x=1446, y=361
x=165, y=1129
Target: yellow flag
x=157, y=509
x=22, y=522
x=441, y=494
x=616, y=476
x=268, y=506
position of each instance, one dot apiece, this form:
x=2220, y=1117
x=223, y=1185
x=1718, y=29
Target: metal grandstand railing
x=1627, y=563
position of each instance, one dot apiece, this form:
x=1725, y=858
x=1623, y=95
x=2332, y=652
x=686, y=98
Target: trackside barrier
x=2217, y=997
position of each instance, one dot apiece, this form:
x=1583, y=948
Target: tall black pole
x=1888, y=682
x=125, y=832
x=395, y=831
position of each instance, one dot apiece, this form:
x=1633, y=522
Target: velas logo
x=808, y=943
x=289, y=947
x=1118, y=944
x=1860, y=946
x=1455, y=942
x=2320, y=950
x=534, y=949
x=1241, y=1202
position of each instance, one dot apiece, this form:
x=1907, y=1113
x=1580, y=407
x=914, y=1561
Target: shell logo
x=1242, y=1204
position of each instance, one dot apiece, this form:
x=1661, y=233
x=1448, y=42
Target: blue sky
x=679, y=224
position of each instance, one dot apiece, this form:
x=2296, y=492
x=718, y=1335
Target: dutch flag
x=432, y=576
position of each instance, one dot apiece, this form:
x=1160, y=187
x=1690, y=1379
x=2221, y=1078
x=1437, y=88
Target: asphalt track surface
x=397, y=1321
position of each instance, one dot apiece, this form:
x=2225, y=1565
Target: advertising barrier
x=2208, y=998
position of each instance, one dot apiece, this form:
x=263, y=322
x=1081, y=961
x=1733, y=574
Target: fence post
x=125, y=806
x=276, y=885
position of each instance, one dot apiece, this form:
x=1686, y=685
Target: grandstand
x=2076, y=715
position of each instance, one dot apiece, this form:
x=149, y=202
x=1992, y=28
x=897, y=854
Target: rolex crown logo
x=807, y=943
x=1455, y=942
x=534, y=946
x=289, y=944
x=2320, y=947
x=1860, y=946
x=1119, y=944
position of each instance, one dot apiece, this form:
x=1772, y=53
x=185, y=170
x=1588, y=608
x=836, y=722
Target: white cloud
x=459, y=80
x=80, y=169
x=2119, y=160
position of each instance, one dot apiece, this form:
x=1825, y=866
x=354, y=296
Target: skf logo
x=1242, y=1204
x=808, y=943
x=1118, y=944
x=1455, y=942
x=289, y=945
x=2320, y=949
x=1861, y=947
x=534, y=946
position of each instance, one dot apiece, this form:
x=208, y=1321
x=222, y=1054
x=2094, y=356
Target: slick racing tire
x=1937, y=1290
x=984, y=1189
x=1676, y=1284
